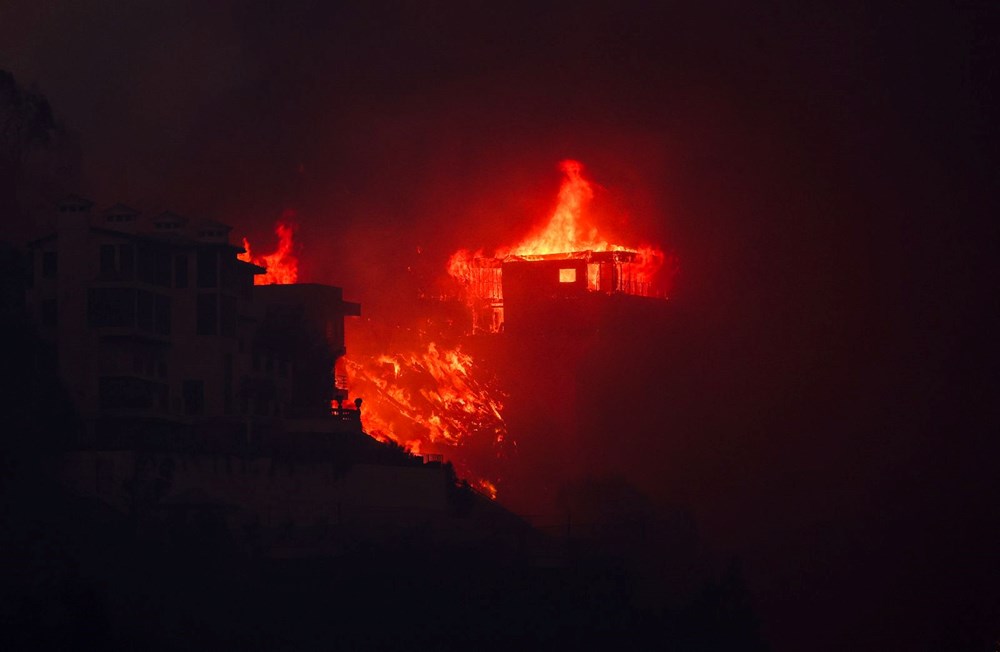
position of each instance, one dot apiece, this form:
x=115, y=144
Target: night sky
x=825, y=174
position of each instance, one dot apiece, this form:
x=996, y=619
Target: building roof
x=120, y=209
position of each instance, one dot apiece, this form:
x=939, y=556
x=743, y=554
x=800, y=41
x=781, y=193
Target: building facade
x=153, y=318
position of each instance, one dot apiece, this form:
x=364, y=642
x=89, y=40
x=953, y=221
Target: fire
x=611, y=268
x=429, y=399
x=434, y=398
x=567, y=230
x=282, y=266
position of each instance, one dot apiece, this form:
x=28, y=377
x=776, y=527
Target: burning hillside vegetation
x=427, y=389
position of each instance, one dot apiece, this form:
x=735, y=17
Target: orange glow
x=567, y=230
x=568, y=233
x=426, y=399
x=486, y=487
x=282, y=266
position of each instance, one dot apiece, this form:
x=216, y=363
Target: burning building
x=155, y=319
x=197, y=383
x=560, y=263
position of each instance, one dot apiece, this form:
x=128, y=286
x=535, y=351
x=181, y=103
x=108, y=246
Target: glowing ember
x=429, y=400
x=282, y=266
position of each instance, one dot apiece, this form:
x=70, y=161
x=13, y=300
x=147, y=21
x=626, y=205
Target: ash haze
x=824, y=172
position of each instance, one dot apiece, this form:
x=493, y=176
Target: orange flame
x=283, y=265
x=428, y=397
x=428, y=400
x=434, y=400
x=568, y=232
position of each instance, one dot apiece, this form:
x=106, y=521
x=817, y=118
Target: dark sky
x=824, y=172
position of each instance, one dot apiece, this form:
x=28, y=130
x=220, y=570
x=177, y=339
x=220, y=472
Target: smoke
x=816, y=168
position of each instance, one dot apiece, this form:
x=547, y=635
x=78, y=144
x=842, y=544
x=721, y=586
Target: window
x=50, y=313
x=193, y=393
x=50, y=264
x=161, y=267
x=227, y=383
x=208, y=273
x=567, y=275
x=227, y=320
x=207, y=318
x=181, y=272
x=126, y=261
x=111, y=307
x=145, y=264
x=154, y=266
x=108, y=260
x=144, y=311
x=124, y=392
x=161, y=314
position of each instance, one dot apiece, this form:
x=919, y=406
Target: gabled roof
x=170, y=216
x=121, y=209
x=74, y=201
x=212, y=224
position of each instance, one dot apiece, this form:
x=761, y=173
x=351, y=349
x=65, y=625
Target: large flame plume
x=568, y=230
x=282, y=265
x=641, y=270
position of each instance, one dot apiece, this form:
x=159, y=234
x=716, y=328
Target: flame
x=432, y=399
x=568, y=232
x=282, y=266
x=486, y=487
x=568, y=229
x=427, y=399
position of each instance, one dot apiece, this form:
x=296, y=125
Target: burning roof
x=568, y=235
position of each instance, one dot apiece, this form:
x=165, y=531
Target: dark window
x=208, y=320
x=145, y=264
x=50, y=313
x=193, y=392
x=108, y=263
x=111, y=307
x=161, y=314
x=161, y=369
x=124, y=392
x=227, y=383
x=227, y=319
x=181, y=272
x=29, y=270
x=208, y=272
x=126, y=261
x=50, y=264
x=144, y=311
x=161, y=267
